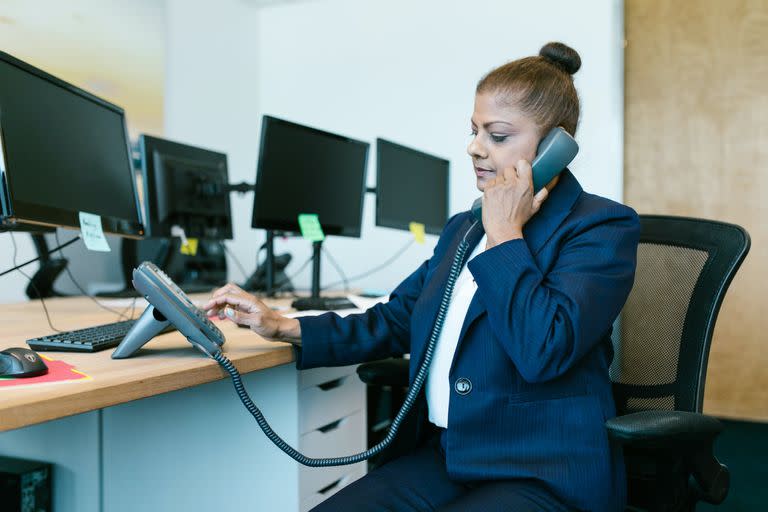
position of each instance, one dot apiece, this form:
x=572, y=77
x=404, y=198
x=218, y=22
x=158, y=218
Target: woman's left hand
x=509, y=203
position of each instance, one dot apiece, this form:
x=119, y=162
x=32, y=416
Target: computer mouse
x=21, y=362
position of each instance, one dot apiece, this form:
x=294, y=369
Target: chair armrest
x=677, y=433
x=387, y=372
x=652, y=427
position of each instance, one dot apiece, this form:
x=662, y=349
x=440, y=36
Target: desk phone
x=168, y=304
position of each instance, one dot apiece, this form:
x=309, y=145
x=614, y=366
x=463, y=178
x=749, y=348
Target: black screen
x=303, y=170
x=65, y=152
x=411, y=186
x=185, y=186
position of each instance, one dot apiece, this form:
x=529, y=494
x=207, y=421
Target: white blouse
x=438, y=386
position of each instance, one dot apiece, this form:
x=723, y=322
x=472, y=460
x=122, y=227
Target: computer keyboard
x=91, y=339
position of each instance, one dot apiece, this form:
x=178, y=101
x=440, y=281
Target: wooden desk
x=155, y=432
x=167, y=363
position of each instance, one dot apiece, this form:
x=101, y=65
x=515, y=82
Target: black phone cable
x=410, y=398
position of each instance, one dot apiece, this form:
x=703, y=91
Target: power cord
x=234, y=258
x=17, y=267
x=31, y=282
x=373, y=270
x=338, y=268
x=120, y=314
x=410, y=398
x=288, y=279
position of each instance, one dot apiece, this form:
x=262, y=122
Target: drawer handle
x=331, y=426
x=341, y=482
x=331, y=384
x=330, y=487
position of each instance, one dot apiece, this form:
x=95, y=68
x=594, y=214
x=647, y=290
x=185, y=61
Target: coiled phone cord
x=410, y=398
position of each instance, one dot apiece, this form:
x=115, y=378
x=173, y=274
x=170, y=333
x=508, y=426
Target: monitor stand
x=315, y=301
x=41, y=283
x=270, y=277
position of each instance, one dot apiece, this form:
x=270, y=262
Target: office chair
x=661, y=348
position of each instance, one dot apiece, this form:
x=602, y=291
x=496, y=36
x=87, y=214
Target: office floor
x=743, y=447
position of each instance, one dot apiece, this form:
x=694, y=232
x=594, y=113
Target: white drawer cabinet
x=329, y=401
x=321, y=495
x=345, y=437
x=150, y=454
x=332, y=423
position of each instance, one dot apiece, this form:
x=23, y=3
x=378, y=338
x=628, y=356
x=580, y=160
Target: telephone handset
x=554, y=153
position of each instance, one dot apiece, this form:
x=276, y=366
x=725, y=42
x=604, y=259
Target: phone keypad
x=200, y=314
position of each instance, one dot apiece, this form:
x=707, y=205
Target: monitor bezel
x=18, y=213
x=293, y=227
x=148, y=144
x=389, y=223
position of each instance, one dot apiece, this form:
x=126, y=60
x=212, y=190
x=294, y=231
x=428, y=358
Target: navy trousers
x=419, y=482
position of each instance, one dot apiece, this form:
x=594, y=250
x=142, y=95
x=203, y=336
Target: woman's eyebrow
x=486, y=125
x=489, y=123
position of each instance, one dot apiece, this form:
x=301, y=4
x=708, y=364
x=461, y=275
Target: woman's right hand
x=232, y=302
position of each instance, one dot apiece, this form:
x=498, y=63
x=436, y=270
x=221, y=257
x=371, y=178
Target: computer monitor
x=305, y=170
x=184, y=186
x=62, y=151
x=411, y=186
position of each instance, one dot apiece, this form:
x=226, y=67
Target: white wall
x=406, y=71
x=12, y=285
x=211, y=94
x=397, y=69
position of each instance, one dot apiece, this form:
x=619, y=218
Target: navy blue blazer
x=535, y=345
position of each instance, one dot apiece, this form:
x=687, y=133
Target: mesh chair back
x=662, y=337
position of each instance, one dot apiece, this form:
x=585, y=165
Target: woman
x=518, y=389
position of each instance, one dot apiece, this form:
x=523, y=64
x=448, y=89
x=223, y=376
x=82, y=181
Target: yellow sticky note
x=189, y=248
x=417, y=228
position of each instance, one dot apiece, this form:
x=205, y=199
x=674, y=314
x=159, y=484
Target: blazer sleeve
x=547, y=323
x=382, y=331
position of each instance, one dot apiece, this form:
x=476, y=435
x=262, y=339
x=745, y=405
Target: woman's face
x=501, y=135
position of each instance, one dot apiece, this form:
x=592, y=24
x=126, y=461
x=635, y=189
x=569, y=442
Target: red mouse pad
x=58, y=371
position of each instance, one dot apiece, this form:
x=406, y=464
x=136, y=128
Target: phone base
x=149, y=325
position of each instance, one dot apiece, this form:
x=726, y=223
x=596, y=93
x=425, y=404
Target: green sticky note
x=310, y=227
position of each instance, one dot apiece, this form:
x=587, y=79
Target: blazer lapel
x=536, y=232
x=553, y=212
x=437, y=284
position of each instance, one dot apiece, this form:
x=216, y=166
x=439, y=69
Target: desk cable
x=120, y=314
x=347, y=280
x=17, y=267
x=31, y=282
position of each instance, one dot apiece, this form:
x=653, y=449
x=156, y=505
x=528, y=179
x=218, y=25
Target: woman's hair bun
x=562, y=56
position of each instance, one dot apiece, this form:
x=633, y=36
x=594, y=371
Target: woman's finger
x=227, y=288
x=238, y=317
x=243, y=303
x=539, y=198
x=525, y=172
